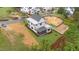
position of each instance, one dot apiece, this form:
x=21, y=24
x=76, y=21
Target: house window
x=31, y=27
x=48, y=29
x=40, y=23
x=44, y=9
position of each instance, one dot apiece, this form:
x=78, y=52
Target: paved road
x=10, y=22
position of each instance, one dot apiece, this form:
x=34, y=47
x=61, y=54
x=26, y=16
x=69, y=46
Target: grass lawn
x=72, y=35
x=4, y=43
x=49, y=38
x=4, y=11
x=73, y=32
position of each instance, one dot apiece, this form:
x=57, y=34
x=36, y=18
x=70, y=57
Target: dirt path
x=29, y=40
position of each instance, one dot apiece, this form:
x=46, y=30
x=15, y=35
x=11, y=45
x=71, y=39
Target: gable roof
x=41, y=29
x=36, y=17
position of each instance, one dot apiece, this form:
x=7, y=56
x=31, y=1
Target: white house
x=47, y=8
x=35, y=10
x=38, y=24
x=69, y=11
x=30, y=10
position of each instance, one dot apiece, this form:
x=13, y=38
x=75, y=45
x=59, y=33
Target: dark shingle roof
x=41, y=29
x=36, y=17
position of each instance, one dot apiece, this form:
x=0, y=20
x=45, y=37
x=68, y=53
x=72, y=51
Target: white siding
x=32, y=20
x=42, y=21
x=38, y=25
x=33, y=25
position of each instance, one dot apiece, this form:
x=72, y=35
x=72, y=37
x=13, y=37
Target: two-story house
x=30, y=10
x=37, y=24
x=69, y=11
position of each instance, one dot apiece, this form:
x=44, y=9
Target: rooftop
x=41, y=29
x=36, y=17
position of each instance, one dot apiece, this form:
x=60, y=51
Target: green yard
x=48, y=39
x=72, y=35
x=4, y=12
x=4, y=43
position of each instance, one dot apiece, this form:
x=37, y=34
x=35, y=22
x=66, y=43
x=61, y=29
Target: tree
x=17, y=8
x=62, y=11
x=76, y=14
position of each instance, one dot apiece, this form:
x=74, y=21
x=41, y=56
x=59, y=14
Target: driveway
x=4, y=24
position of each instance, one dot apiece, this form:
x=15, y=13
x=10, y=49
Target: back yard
x=46, y=40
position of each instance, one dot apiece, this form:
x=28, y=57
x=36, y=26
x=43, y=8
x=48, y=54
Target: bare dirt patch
x=59, y=43
x=29, y=40
x=60, y=27
x=53, y=20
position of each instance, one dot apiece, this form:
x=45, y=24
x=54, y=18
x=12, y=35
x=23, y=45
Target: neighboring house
x=27, y=10
x=69, y=11
x=38, y=24
x=47, y=9
x=36, y=10
x=30, y=10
